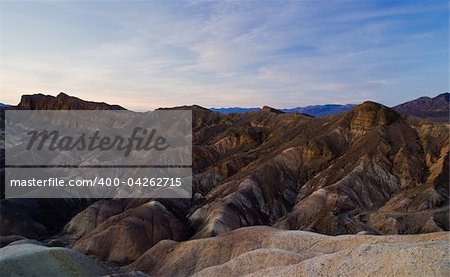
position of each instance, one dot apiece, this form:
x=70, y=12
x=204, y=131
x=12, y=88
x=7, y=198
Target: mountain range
x=314, y=110
x=368, y=170
x=435, y=108
x=431, y=108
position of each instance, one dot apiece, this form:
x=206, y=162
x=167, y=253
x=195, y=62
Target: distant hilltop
x=436, y=108
x=234, y=110
x=61, y=102
x=321, y=110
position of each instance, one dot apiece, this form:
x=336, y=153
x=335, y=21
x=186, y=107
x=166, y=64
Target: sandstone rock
x=253, y=261
x=94, y=215
x=390, y=259
x=124, y=237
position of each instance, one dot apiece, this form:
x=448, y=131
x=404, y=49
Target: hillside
x=436, y=108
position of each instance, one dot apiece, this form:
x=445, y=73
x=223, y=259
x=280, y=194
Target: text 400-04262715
x=141, y=182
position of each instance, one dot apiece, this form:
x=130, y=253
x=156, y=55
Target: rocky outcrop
x=61, y=102
x=94, y=215
x=123, y=237
x=368, y=116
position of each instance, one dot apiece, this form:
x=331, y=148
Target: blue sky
x=148, y=54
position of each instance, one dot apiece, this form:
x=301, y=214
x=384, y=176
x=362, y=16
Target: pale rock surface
x=38, y=260
x=266, y=251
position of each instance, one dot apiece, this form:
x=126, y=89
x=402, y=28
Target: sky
x=148, y=54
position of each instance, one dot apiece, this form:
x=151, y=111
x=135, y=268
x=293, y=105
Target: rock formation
x=369, y=170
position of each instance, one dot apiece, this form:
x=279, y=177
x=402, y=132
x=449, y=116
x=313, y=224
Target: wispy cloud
x=225, y=53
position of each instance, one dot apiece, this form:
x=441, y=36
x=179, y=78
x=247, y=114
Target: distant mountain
x=316, y=110
x=321, y=110
x=61, y=102
x=436, y=109
x=234, y=110
x=4, y=105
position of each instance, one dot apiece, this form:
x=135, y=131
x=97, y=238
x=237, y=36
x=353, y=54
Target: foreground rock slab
x=266, y=251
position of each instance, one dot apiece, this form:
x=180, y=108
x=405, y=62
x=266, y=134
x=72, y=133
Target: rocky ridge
x=431, y=108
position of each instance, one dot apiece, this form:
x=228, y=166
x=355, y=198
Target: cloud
x=227, y=53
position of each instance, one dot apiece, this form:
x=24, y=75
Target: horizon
x=229, y=107
x=144, y=55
